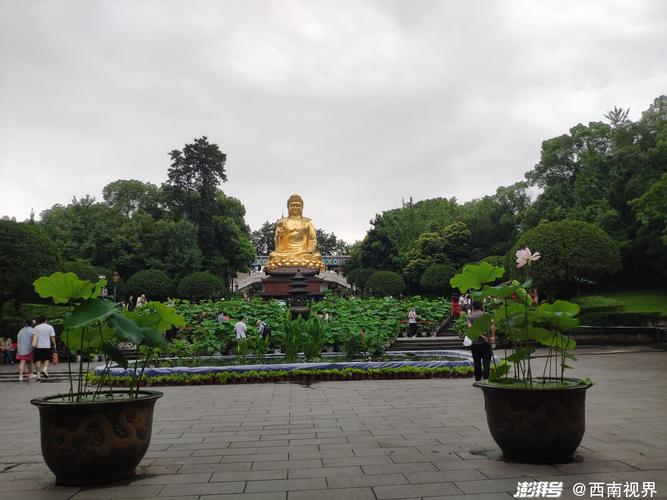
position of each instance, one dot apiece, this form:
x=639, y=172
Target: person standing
x=412, y=322
x=24, y=349
x=44, y=342
x=262, y=328
x=240, y=328
x=481, y=348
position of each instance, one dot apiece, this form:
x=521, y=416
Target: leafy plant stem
x=141, y=374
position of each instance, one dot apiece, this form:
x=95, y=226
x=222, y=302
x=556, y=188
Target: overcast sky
x=352, y=104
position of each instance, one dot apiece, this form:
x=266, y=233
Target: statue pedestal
x=277, y=285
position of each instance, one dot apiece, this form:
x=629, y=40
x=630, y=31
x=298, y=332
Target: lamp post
x=115, y=277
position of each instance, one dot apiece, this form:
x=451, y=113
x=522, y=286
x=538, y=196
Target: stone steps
x=444, y=342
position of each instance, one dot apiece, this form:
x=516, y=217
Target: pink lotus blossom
x=524, y=256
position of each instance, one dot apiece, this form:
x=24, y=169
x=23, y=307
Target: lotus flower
x=524, y=256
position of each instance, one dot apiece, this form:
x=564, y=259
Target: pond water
x=273, y=359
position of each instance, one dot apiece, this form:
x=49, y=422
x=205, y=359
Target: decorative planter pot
x=423, y=334
x=538, y=426
x=98, y=441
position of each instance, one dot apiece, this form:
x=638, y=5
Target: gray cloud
x=353, y=104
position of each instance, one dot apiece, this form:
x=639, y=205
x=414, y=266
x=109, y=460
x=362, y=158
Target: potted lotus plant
x=535, y=413
x=93, y=434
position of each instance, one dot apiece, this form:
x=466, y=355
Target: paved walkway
x=399, y=439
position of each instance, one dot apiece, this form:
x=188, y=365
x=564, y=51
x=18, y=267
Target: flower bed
x=295, y=375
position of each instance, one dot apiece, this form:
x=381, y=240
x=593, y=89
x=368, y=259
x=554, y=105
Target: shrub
x=621, y=318
x=152, y=282
x=573, y=252
x=201, y=286
x=384, y=283
x=436, y=278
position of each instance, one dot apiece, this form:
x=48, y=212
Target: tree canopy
x=186, y=225
x=573, y=253
x=608, y=173
x=25, y=254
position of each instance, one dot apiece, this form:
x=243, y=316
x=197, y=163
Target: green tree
x=435, y=278
x=329, y=244
x=450, y=245
x=131, y=196
x=651, y=207
x=393, y=233
x=83, y=230
x=385, y=283
x=155, y=284
x=201, y=286
x=235, y=251
x=144, y=243
x=192, y=187
x=428, y=249
x=359, y=276
x=594, y=174
x=573, y=253
x=263, y=238
x=25, y=254
x=495, y=221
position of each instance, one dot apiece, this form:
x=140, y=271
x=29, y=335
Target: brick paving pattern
x=398, y=439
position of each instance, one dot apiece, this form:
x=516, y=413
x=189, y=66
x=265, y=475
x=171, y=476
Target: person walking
x=240, y=328
x=44, y=342
x=456, y=308
x=24, y=350
x=481, y=348
x=412, y=322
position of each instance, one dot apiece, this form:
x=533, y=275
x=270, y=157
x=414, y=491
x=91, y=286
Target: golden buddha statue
x=295, y=240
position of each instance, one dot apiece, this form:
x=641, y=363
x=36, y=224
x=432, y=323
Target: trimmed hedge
x=594, y=303
x=268, y=376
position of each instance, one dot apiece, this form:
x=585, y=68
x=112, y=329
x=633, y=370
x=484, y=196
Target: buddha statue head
x=295, y=205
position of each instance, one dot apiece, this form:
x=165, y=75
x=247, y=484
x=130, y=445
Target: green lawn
x=641, y=300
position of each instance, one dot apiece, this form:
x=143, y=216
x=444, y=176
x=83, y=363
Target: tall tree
x=192, y=186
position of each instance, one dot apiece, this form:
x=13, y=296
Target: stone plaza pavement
x=394, y=439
